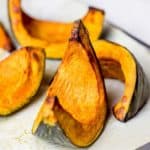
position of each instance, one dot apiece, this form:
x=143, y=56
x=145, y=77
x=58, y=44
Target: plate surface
x=15, y=130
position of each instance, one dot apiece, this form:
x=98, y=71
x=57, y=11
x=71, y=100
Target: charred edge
x=50, y=99
x=35, y=56
x=53, y=102
x=92, y=56
x=28, y=49
x=110, y=60
x=97, y=9
x=75, y=31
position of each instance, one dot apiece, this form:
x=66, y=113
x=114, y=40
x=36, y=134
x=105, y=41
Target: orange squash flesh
x=117, y=62
x=55, y=32
x=49, y=35
x=76, y=99
x=20, y=77
x=5, y=41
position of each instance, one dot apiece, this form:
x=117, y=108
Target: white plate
x=15, y=130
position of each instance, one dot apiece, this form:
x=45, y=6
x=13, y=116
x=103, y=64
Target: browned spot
x=120, y=113
x=91, y=19
x=25, y=71
x=16, y=9
x=28, y=49
x=15, y=21
x=124, y=99
x=36, y=57
x=93, y=9
x=50, y=100
x=7, y=47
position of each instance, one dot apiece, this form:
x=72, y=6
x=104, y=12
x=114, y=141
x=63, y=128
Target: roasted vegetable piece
x=31, y=32
x=117, y=62
x=76, y=99
x=20, y=77
x=5, y=41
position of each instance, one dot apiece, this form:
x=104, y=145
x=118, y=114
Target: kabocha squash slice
x=49, y=35
x=117, y=62
x=5, y=41
x=76, y=100
x=20, y=77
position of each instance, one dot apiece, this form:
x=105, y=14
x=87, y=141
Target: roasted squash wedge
x=31, y=32
x=76, y=100
x=5, y=41
x=117, y=62
x=20, y=77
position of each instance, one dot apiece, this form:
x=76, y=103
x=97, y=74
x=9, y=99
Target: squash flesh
x=31, y=32
x=69, y=101
x=18, y=28
x=45, y=29
x=21, y=69
x=111, y=69
x=80, y=134
x=129, y=71
x=5, y=41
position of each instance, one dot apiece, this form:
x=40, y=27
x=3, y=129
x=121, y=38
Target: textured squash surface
x=48, y=35
x=20, y=77
x=76, y=98
x=5, y=41
x=117, y=62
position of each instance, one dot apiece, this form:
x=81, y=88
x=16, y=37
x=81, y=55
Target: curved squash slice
x=5, y=41
x=31, y=32
x=117, y=62
x=20, y=77
x=76, y=99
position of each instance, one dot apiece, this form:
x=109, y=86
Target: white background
x=132, y=15
x=15, y=130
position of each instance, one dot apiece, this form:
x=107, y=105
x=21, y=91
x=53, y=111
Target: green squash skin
x=141, y=93
x=53, y=134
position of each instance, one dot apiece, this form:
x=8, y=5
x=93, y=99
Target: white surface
x=3, y=54
x=57, y=8
x=132, y=15
x=15, y=130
